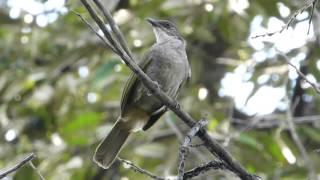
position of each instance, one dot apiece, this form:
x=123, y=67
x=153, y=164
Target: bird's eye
x=166, y=25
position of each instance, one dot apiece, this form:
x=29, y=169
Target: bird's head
x=164, y=30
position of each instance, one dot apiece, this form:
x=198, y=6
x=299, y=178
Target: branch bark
x=185, y=146
x=204, y=168
x=27, y=159
x=215, y=148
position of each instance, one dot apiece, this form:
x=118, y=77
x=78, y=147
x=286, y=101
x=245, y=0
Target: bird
x=167, y=64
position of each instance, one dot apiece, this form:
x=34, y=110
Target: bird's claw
x=157, y=85
x=177, y=106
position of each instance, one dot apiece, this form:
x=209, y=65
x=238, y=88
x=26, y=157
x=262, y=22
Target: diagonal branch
x=214, y=147
x=106, y=43
x=114, y=27
x=17, y=166
x=204, y=168
x=314, y=86
x=102, y=26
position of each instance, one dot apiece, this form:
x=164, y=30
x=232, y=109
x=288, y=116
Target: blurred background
x=60, y=88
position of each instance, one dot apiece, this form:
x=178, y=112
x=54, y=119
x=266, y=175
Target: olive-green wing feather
x=132, y=81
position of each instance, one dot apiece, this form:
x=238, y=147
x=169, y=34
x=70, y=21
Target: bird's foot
x=177, y=106
x=158, y=86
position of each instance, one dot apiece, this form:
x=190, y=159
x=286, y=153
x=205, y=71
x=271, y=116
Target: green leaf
x=82, y=121
x=212, y=124
x=77, y=131
x=250, y=141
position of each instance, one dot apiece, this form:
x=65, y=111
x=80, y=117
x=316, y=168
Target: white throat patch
x=161, y=36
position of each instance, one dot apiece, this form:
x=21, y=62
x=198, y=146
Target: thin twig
x=174, y=128
x=114, y=27
x=204, y=168
x=196, y=145
x=96, y=32
x=180, y=137
x=314, y=3
x=102, y=26
x=140, y=170
x=292, y=19
x=314, y=86
x=37, y=171
x=184, y=147
x=214, y=147
x=28, y=158
x=273, y=121
x=298, y=142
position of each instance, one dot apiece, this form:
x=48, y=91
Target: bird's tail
x=110, y=146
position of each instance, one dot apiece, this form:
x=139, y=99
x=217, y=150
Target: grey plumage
x=114, y=141
x=166, y=63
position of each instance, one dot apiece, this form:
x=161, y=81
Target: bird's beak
x=153, y=22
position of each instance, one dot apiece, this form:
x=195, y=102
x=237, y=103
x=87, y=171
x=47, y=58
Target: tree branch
x=28, y=158
x=140, y=170
x=106, y=43
x=212, y=146
x=204, y=168
x=310, y=3
x=185, y=146
x=314, y=86
x=273, y=121
x=296, y=139
x=37, y=171
x=114, y=27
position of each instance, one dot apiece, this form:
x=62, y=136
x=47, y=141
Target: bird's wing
x=132, y=81
x=154, y=117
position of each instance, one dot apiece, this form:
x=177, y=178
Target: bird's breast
x=168, y=70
